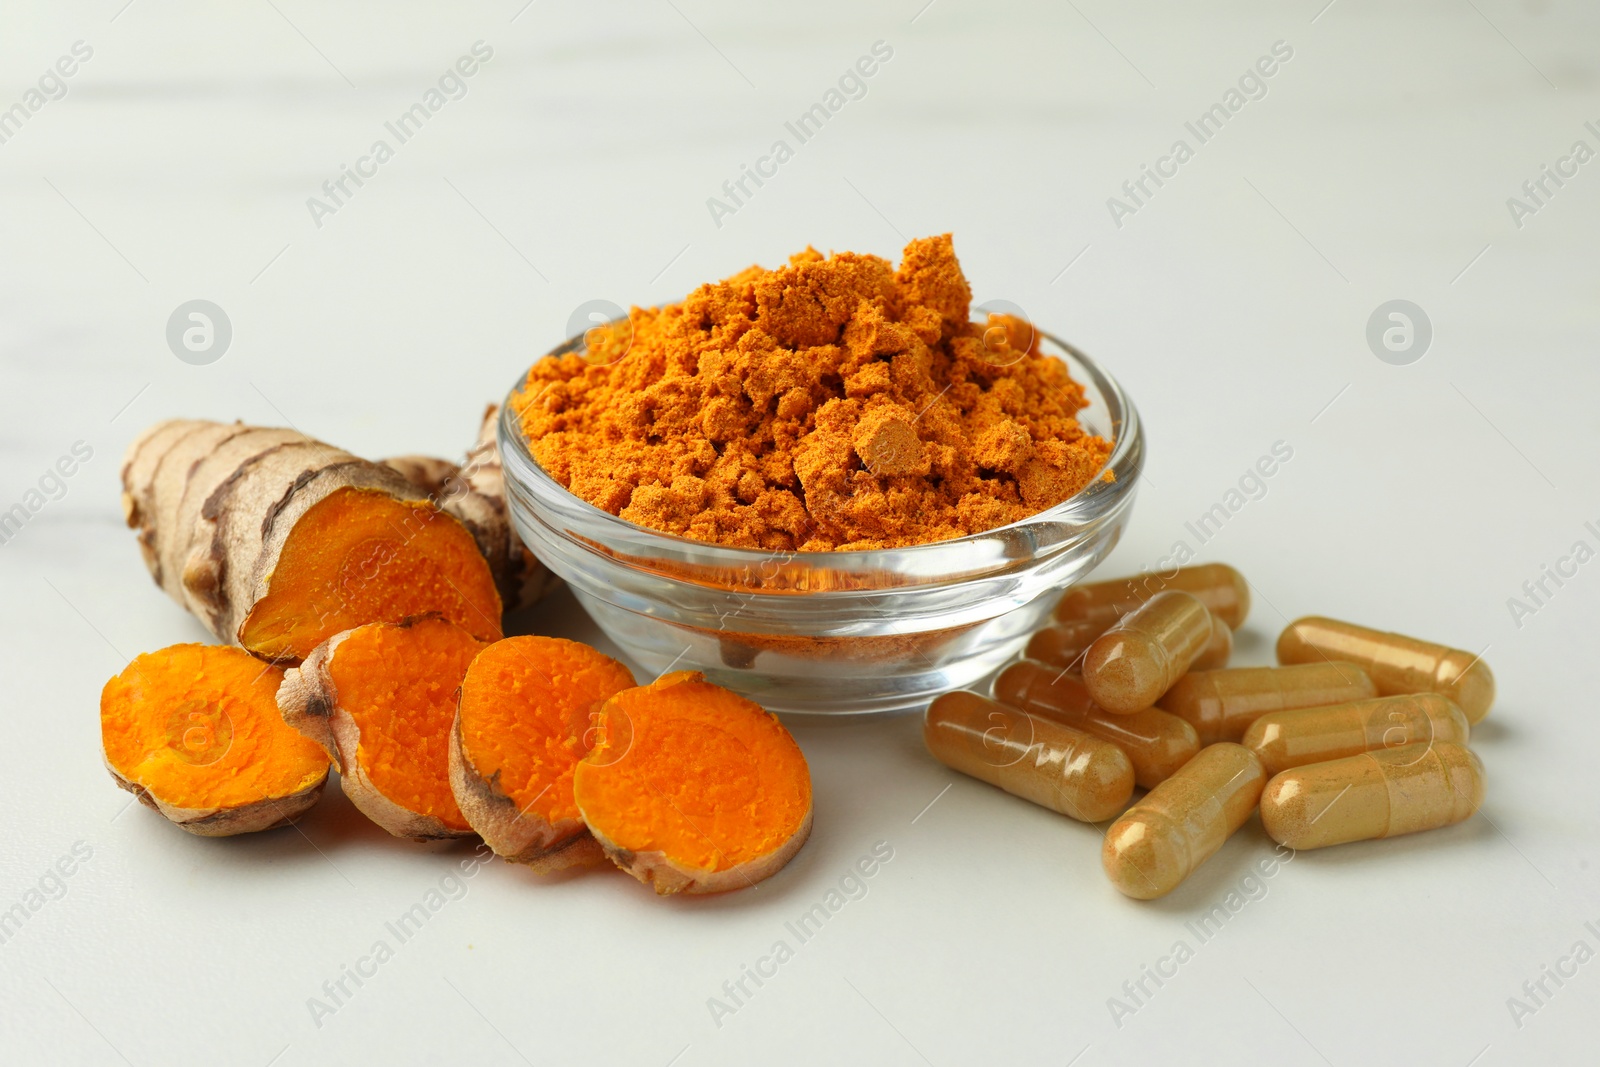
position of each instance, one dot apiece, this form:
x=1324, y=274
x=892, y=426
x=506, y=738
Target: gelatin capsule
x=1029, y=756
x=1219, y=587
x=1065, y=643
x=1386, y=793
x=1130, y=665
x=1398, y=664
x=1221, y=705
x=1180, y=823
x=1156, y=743
x=1294, y=738
x=1218, y=651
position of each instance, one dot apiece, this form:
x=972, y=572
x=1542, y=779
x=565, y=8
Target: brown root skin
x=145, y=478
x=214, y=504
x=309, y=702
x=667, y=877
x=580, y=853
x=479, y=501
x=306, y=699
x=511, y=833
x=428, y=473
x=227, y=822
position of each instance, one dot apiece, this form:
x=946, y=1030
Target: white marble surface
x=1232, y=303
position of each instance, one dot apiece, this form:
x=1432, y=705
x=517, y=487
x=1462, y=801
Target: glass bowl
x=830, y=633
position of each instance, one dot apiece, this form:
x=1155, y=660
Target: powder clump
x=834, y=403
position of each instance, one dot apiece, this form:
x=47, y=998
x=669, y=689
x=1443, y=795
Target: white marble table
x=1426, y=493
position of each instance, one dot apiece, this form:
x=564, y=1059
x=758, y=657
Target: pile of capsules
x=1359, y=735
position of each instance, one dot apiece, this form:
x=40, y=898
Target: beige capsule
x=1386, y=793
x=1130, y=665
x=1064, y=644
x=1219, y=587
x=1299, y=736
x=1180, y=823
x=1156, y=743
x=1221, y=705
x=1218, y=651
x=1029, y=756
x=1398, y=664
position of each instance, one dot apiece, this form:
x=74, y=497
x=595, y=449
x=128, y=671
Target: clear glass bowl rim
x=919, y=562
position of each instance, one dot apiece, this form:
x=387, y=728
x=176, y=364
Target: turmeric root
x=691, y=788
x=525, y=718
x=476, y=495
x=381, y=699
x=479, y=501
x=194, y=732
x=431, y=474
x=277, y=542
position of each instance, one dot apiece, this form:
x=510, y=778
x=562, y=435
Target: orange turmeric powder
x=832, y=404
x=692, y=788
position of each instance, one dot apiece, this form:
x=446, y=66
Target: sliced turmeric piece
x=526, y=716
x=359, y=556
x=381, y=699
x=475, y=493
x=194, y=732
x=692, y=788
x=277, y=541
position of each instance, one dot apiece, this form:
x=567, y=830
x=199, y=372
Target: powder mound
x=835, y=403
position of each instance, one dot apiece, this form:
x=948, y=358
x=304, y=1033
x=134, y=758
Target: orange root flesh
x=399, y=685
x=197, y=727
x=703, y=778
x=358, y=557
x=527, y=716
